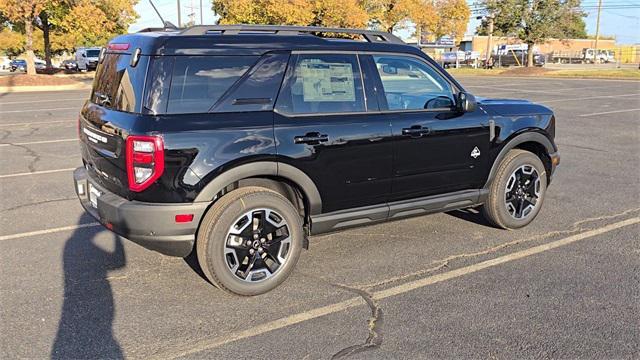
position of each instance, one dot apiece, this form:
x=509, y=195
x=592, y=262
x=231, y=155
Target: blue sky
x=624, y=23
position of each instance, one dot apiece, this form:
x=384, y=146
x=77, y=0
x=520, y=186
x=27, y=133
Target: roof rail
x=369, y=35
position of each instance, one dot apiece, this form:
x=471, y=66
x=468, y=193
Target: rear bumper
x=150, y=225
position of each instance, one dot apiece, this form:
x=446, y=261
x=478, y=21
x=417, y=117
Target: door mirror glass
x=466, y=102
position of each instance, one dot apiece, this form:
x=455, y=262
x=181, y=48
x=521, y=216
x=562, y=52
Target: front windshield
x=93, y=53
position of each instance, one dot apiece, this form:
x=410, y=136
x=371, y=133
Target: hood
x=511, y=107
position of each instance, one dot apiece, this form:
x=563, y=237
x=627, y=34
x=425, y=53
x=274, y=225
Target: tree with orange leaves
x=25, y=12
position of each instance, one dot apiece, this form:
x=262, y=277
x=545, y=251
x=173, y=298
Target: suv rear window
x=117, y=85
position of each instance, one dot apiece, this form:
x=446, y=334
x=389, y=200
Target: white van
x=87, y=58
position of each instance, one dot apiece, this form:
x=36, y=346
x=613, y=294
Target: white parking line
x=609, y=112
x=259, y=329
x=590, y=98
x=39, y=101
x=33, y=110
x=35, y=173
x=47, y=231
x=39, y=142
x=38, y=123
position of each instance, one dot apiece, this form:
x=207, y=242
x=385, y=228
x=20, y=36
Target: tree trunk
x=28, y=29
x=45, y=36
x=530, y=54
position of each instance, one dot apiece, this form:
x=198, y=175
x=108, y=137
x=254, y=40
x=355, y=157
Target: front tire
x=250, y=241
x=517, y=191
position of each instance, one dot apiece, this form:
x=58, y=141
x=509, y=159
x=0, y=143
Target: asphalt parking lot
x=439, y=286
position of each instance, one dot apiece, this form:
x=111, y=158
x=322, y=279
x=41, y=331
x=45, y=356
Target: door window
x=411, y=84
x=323, y=83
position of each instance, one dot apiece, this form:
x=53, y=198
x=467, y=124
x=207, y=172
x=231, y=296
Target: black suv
x=241, y=141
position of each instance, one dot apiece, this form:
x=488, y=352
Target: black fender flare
x=512, y=143
x=264, y=168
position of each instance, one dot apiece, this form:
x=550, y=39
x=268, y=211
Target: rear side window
x=323, y=83
x=199, y=81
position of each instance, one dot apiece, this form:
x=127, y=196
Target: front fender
x=513, y=142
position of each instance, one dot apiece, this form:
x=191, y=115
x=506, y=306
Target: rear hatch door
x=108, y=117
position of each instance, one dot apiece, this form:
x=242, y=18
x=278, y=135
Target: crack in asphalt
x=443, y=263
x=38, y=203
x=31, y=153
x=374, y=323
x=7, y=133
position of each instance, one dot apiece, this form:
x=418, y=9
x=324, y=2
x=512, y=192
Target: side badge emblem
x=475, y=152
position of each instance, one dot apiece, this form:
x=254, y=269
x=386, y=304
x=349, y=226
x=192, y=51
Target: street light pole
x=201, y=22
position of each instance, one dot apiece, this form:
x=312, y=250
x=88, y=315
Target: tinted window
x=93, y=53
x=199, y=81
x=118, y=86
x=157, y=87
x=411, y=84
x=258, y=91
x=323, y=83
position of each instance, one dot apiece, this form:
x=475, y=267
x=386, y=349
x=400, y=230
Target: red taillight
x=145, y=161
x=118, y=46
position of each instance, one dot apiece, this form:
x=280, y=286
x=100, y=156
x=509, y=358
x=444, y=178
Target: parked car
x=21, y=65
x=69, y=65
x=239, y=142
x=5, y=63
x=517, y=58
x=87, y=58
x=18, y=65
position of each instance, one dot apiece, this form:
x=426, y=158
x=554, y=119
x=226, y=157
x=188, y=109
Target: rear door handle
x=313, y=138
x=416, y=131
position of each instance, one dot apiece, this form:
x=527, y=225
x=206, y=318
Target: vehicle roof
x=173, y=43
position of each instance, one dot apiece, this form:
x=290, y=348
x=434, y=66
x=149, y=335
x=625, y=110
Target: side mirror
x=466, y=102
x=84, y=55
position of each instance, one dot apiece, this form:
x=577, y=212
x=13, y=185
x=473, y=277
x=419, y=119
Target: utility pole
x=179, y=18
x=595, y=50
x=489, y=38
x=201, y=22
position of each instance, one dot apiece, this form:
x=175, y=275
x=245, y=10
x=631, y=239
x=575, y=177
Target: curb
x=35, y=88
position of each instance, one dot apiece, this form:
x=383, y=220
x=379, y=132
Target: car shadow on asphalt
x=85, y=327
x=192, y=261
x=473, y=215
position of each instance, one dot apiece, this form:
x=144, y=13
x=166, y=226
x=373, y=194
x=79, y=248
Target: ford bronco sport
x=240, y=141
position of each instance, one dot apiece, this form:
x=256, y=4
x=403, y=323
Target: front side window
x=323, y=83
x=411, y=84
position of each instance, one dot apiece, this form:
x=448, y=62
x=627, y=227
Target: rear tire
x=249, y=241
x=517, y=191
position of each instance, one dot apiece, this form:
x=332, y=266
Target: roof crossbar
x=369, y=35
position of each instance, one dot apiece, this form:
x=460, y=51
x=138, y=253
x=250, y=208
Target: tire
x=227, y=234
x=511, y=175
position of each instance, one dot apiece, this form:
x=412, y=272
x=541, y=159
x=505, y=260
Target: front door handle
x=312, y=138
x=416, y=131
